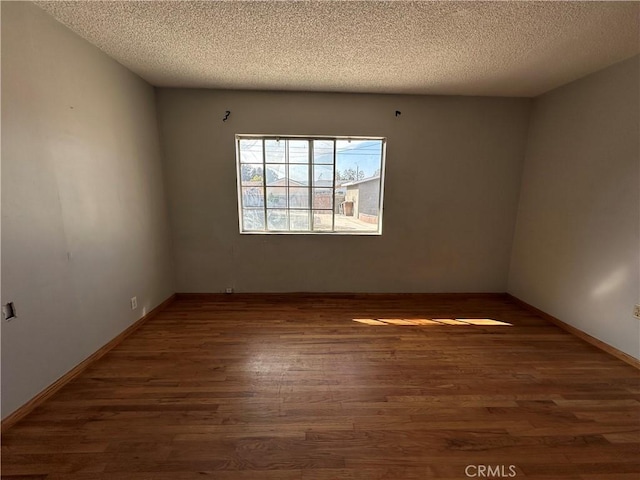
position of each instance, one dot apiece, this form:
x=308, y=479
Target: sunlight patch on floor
x=432, y=321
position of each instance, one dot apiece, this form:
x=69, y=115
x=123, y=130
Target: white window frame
x=310, y=138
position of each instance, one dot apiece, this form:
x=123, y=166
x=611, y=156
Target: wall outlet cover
x=134, y=303
x=8, y=311
x=636, y=311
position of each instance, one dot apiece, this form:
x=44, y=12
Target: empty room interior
x=320, y=240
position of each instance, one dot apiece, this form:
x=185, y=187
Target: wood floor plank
x=326, y=387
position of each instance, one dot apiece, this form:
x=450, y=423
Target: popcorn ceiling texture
x=460, y=48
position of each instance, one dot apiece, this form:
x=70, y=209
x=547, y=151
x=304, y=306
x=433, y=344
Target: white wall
x=452, y=179
x=576, y=251
x=84, y=224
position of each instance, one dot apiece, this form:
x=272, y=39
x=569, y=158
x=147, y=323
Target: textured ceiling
x=461, y=48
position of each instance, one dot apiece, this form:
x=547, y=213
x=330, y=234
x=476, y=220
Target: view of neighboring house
x=363, y=199
x=288, y=193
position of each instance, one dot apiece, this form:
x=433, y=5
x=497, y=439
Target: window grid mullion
x=333, y=190
x=241, y=201
x=310, y=176
x=286, y=190
x=264, y=185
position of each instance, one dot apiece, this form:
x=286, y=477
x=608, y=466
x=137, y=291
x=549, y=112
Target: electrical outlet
x=636, y=311
x=228, y=290
x=9, y=311
x=134, y=303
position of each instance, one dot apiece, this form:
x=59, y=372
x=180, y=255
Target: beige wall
x=84, y=223
x=452, y=178
x=576, y=251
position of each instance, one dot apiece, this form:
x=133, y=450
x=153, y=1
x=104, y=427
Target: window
x=290, y=184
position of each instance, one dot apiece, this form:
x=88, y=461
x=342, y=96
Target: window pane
x=323, y=151
x=358, y=206
x=323, y=176
x=298, y=175
x=322, y=220
x=299, y=197
x=299, y=151
x=323, y=198
x=276, y=175
x=252, y=197
x=251, y=174
x=299, y=219
x=252, y=220
x=277, y=220
x=251, y=151
x=369, y=227
x=274, y=151
x=276, y=197
x=358, y=159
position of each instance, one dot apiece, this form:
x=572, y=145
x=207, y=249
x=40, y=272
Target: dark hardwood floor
x=291, y=387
